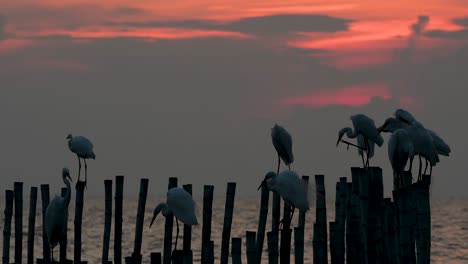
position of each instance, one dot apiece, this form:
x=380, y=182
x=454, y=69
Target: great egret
x=180, y=204
x=364, y=126
x=56, y=215
x=282, y=141
x=361, y=142
x=400, y=149
x=83, y=148
x=290, y=187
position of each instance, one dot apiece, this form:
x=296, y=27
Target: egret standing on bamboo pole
x=57, y=214
x=180, y=204
x=83, y=148
x=282, y=141
x=400, y=149
x=364, y=126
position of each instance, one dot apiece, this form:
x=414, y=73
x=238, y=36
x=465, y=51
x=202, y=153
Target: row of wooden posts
x=367, y=227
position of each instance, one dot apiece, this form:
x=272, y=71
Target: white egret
x=180, y=204
x=365, y=126
x=400, y=149
x=56, y=215
x=282, y=141
x=83, y=148
x=290, y=187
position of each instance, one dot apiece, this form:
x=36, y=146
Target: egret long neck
x=350, y=132
x=68, y=192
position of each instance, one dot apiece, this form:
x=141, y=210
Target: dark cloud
x=266, y=25
x=418, y=27
x=457, y=34
x=130, y=11
x=461, y=21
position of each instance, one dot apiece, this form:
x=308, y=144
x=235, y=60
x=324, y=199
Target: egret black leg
x=79, y=167
x=279, y=162
x=367, y=153
x=363, y=162
x=177, y=235
x=86, y=171
x=289, y=166
x=281, y=224
x=430, y=170
x=411, y=163
x=420, y=167
x=425, y=169
x=292, y=214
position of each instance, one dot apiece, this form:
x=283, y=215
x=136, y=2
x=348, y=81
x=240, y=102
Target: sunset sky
x=191, y=88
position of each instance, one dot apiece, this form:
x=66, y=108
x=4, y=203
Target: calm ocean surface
x=449, y=229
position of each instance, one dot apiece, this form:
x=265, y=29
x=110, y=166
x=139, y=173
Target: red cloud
x=358, y=95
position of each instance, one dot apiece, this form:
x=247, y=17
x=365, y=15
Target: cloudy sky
x=191, y=88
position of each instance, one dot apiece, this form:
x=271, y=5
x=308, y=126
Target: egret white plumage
x=56, y=215
x=290, y=187
x=400, y=149
x=83, y=148
x=282, y=141
x=179, y=204
x=364, y=126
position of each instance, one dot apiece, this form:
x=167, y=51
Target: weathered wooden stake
x=7, y=226
x=401, y=198
x=208, y=256
x=319, y=240
x=262, y=219
x=364, y=205
x=136, y=255
x=236, y=250
x=340, y=219
x=250, y=247
x=155, y=258
x=374, y=218
x=228, y=211
x=64, y=239
x=168, y=227
x=178, y=257
x=79, y=201
x=187, y=246
x=353, y=236
x=299, y=245
x=423, y=220
x=333, y=242
x=272, y=239
x=31, y=224
x=18, y=191
x=119, y=184
x=107, y=220
x=275, y=213
x=207, y=215
x=45, y=242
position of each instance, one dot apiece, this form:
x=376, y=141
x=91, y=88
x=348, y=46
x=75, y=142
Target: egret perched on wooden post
x=83, y=148
x=365, y=126
x=290, y=187
x=400, y=149
x=56, y=215
x=282, y=141
x=180, y=204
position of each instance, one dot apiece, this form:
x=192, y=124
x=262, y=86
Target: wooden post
x=388, y=233
x=31, y=224
x=79, y=201
x=423, y=220
x=262, y=219
x=155, y=258
x=208, y=255
x=228, y=211
x=64, y=239
x=272, y=238
x=207, y=211
x=178, y=257
x=250, y=247
x=299, y=245
x=187, y=246
x=353, y=247
x=119, y=184
x=340, y=219
x=45, y=242
x=374, y=218
x=275, y=213
x=7, y=226
x=285, y=246
x=301, y=220
x=236, y=250
x=333, y=242
x=107, y=220
x=168, y=227
x=18, y=191
x=136, y=255
x=364, y=205
x=319, y=240
x=401, y=198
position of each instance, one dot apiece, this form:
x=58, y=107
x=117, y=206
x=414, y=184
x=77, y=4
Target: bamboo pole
x=423, y=220
x=285, y=245
x=353, y=246
x=136, y=255
x=64, y=239
x=107, y=220
x=207, y=215
x=340, y=219
x=208, y=255
x=299, y=245
x=188, y=254
x=79, y=201
x=31, y=224
x=168, y=228
x=18, y=191
x=272, y=238
x=228, y=211
x=375, y=240
x=7, y=226
x=178, y=257
x=45, y=242
x=250, y=247
x=364, y=205
x=155, y=258
x=319, y=240
x=333, y=242
x=262, y=219
x=236, y=250
x=402, y=202
x=301, y=220
x=118, y=220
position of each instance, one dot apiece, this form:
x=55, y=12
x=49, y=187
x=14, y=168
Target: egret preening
x=83, y=148
x=365, y=127
x=56, y=215
x=282, y=141
x=400, y=149
x=290, y=187
x=180, y=204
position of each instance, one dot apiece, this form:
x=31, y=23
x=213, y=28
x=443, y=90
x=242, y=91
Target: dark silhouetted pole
x=32, y=224
x=298, y=245
x=18, y=191
x=64, y=239
x=285, y=247
x=7, y=226
x=208, y=255
x=423, y=241
x=45, y=242
x=340, y=219
x=228, y=211
x=236, y=250
x=119, y=184
x=319, y=240
x=168, y=227
x=364, y=205
x=207, y=215
x=250, y=247
x=136, y=256
x=187, y=244
x=265, y=197
x=107, y=220
x=375, y=214
x=155, y=258
x=272, y=239
x=79, y=201
x=333, y=242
